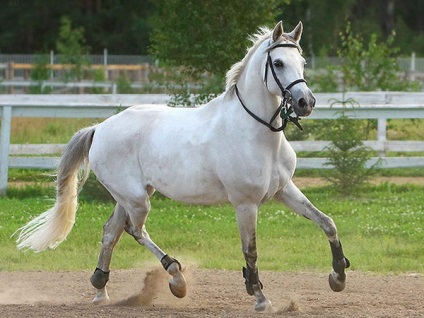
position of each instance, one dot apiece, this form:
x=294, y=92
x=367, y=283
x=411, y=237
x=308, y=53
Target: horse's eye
x=278, y=63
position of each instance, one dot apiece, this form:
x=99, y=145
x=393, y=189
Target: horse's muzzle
x=304, y=105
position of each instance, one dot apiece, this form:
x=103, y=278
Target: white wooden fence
x=373, y=105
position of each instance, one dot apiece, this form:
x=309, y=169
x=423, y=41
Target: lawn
x=382, y=230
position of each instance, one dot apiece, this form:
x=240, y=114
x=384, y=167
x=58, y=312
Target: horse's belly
x=181, y=172
x=194, y=190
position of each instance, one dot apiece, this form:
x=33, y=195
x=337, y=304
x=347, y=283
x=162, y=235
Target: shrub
x=347, y=154
x=370, y=66
x=124, y=85
x=39, y=74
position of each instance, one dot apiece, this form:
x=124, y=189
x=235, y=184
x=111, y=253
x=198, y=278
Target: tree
x=123, y=26
x=32, y=26
x=365, y=66
x=347, y=154
x=211, y=36
x=206, y=37
x=71, y=46
x=370, y=66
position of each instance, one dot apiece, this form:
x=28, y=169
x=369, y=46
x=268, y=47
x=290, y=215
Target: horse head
x=284, y=68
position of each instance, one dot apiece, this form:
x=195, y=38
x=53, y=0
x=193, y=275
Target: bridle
x=285, y=109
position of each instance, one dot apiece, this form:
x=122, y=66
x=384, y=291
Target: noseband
x=285, y=109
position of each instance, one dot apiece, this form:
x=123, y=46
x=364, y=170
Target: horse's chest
x=281, y=171
x=277, y=179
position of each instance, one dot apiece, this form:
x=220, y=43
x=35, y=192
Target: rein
x=285, y=109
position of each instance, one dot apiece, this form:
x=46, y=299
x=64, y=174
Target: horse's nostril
x=313, y=102
x=302, y=103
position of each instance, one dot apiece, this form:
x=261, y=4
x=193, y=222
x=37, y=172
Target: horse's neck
x=258, y=100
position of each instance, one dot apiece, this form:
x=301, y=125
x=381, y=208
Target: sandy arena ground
x=211, y=293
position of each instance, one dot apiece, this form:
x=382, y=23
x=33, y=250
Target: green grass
x=47, y=130
x=382, y=231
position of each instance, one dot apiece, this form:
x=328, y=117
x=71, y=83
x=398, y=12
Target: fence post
x=106, y=73
x=51, y=64
x=412, y=67
x=4, y=147
x=381, y=134
x=10, y=76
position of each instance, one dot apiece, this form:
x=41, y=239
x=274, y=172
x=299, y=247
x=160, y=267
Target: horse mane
x=257, y=39
x=234, y=72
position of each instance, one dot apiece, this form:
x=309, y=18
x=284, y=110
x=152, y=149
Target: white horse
x=224, y=151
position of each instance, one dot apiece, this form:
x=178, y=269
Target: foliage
x=365, y=66
x=123, y=26
x=371, y=66
x=40, y=73
x=124, y=85
x=71, y=45
x=189, y=88
x=347, y=154
x=367, y=17
x=196, y=42
x=98, y=76
x=325, y=80
x=322, y=20
x=32, y=26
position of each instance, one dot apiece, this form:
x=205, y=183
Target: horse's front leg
x=247, y=220
x=297, y=201
x=112, y=231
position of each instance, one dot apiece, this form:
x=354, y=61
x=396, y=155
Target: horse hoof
x=264, y=306
x=101, y=297
x=176, y=290
x=335, y=284
x=177, y=284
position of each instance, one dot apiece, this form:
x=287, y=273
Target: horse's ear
x=296, y=34
x=278, y=31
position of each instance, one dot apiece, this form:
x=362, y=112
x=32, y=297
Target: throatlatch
x=251, y=278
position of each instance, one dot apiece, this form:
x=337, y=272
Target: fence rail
x=373, y=105
x=15, y=68
x=13, y=73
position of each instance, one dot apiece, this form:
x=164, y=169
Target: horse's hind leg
x=137, y=215
x=247, y=221
x=298, y=202
x=112, y=231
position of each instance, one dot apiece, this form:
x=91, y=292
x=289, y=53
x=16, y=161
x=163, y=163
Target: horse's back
x=166, y=148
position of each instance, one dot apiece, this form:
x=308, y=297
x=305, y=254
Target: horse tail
x=52, y=227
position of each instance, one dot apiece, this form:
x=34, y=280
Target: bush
x=368, y=66
x=124, y=85
x=347, y=154
x=39, y=74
